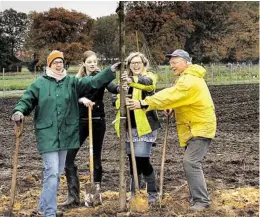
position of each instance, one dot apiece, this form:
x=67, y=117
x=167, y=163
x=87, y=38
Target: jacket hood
x=196, y=70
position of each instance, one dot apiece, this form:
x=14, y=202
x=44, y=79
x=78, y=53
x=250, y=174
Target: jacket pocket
x=70, y=121
x=71, y=129
x=43, y=124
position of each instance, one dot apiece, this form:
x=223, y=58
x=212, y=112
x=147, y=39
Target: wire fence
x=13, y=84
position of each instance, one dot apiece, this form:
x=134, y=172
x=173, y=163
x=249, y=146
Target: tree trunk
x=122, y=187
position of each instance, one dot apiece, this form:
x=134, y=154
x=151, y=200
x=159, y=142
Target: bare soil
x=231, y=166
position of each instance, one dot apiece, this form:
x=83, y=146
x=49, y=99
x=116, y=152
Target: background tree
x=105, y=38
x=243, y=40
x=14, y=25
x=158, y=21
x=59, y=28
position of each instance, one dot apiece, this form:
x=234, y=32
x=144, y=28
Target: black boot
x=73, y=187
x=151, y=187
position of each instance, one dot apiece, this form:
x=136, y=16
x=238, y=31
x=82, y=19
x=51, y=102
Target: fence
x=14, y=84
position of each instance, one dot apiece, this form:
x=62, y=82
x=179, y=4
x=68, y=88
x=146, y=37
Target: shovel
x=90, y=187
x=18, y=129
x=163, y=160
x=139, y=202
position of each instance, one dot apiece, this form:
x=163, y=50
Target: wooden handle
x=132, y=149
x=163, y=156
x=18, y=132
x=90, y=136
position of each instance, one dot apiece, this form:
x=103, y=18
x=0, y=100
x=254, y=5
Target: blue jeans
x=54, y=163
x=142, y=149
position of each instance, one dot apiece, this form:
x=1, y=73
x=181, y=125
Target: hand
x=168, y=112
x=86, y=102
x=125, y=86
x=97, y=69
x=132, y=104
x=17, y=117
x=115, y=67
x=126, y=78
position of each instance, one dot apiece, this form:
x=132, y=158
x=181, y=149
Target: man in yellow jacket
x=195, y=117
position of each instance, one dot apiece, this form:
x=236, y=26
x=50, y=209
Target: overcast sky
x=92, y=8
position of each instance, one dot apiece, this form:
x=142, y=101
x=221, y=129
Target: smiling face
x=91, y=64
x=136, y=65
x=57, y=65
x=178, y=65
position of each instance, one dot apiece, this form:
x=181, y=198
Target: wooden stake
x=122, y=184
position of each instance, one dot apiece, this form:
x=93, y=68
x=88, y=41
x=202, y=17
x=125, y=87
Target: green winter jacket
x=56, y=118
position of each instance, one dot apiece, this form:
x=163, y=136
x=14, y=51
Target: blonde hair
x=82, y=69
x=136, y=54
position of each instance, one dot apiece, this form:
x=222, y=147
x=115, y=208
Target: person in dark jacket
x=54, y=96
x=141, y=83
x=88, y=69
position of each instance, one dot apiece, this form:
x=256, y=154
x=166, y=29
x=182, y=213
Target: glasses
x=174, y=63
x=136, y=63
x=57, y=62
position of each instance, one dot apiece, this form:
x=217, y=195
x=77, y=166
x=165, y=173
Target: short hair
x=136, y=54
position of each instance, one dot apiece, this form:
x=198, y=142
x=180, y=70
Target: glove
x=126, y=78
x=17, y=116
x=86, y=102
x=115, y=67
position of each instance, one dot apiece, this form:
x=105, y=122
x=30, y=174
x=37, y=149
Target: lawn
x=216, y=74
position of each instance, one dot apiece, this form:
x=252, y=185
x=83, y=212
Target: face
x=178, y=65
x=91, y=64
x=136, y=65
x=57, y=65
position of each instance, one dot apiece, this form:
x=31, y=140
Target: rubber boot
x=151, y=188
x=132, y=186
x=73, y=187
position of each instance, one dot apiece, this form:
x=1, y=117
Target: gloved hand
x=126, y=78
x=125, y=86
x=17, y=116
x=115, y=67
x=86, y=102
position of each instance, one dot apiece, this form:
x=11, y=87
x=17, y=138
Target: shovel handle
x=132, y=149
x=18, y=132
x=18, y=128
x=90, y=136
x=163, y=157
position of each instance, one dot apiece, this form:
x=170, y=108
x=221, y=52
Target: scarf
x=54, y=74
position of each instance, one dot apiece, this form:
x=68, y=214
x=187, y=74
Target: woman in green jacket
x=141, y=83
x=55, y=99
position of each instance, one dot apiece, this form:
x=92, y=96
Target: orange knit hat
x=54, y=55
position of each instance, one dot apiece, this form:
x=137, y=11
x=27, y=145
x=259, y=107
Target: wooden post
x=122, y=184
x=137, y=44
x=3, y=82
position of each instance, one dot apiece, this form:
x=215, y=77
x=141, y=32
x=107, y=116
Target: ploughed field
x=231, y=166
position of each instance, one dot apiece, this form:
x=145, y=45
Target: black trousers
x=143, y=165
x=99, y=129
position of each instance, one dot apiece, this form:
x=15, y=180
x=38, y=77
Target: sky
x=92, y=8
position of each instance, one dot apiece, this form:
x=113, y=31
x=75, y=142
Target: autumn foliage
x=210, y=31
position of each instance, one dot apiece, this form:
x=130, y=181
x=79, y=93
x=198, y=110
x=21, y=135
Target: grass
x=217, y=74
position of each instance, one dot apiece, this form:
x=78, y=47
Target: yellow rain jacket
x=192, y=103
x=142, y=124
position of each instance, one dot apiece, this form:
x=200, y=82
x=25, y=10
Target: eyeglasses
x=174, y=63
x=136, y=63
x=57, y=62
